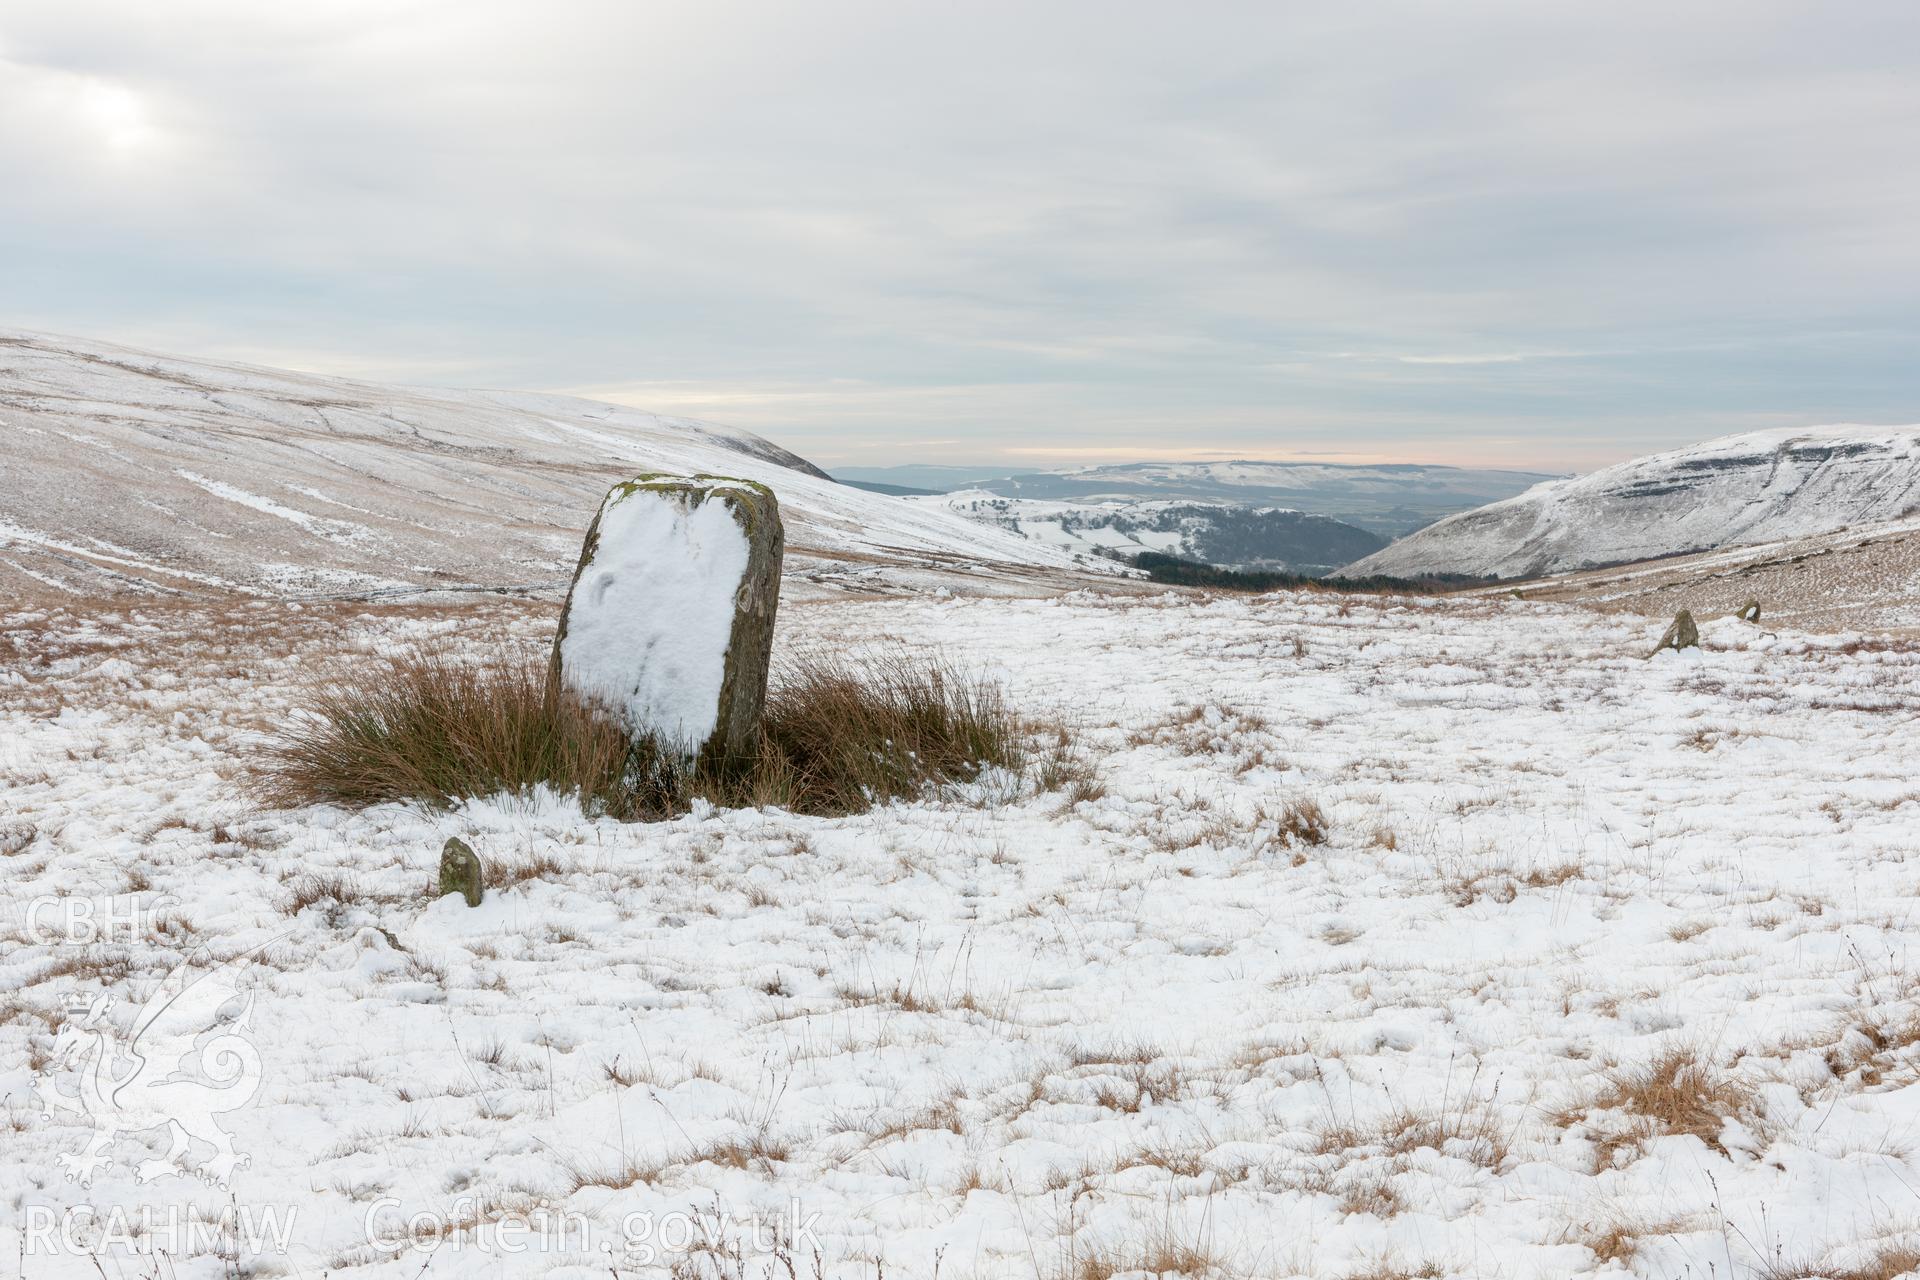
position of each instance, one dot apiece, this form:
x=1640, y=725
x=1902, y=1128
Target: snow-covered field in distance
x=1867, y=577
x=1132, y=1026
x=1229, y=535
x=1760, y=487
x=124, y=470
x=1390, y=499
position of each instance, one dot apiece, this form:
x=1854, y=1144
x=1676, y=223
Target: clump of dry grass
x=1503, y=883
x=1615, y=1236
x=1303, y=822
x=337, y=888
x=1469, y=1131
x=754, y=1149
x=838, y=737
x=844, y=734
x=1164, y=1250
x=1681, y=1093
x=1875, y=1047
x=1678, y=1093
x=428, y=726
x=1876, y=1260
x=1389, y=1267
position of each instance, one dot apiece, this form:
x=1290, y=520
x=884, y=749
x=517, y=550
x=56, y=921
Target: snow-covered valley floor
x=1135, y=1024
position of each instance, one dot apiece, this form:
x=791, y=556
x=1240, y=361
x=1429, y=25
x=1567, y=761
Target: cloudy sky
x=1534, y=234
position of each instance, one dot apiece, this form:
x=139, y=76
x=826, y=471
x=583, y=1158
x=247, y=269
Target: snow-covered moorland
x=1358, y=937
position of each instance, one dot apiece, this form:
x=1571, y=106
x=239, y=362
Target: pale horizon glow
x=1494, y=233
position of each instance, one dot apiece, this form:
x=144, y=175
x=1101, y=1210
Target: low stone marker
x=1683, y=634
x=669, y=623
x=1749, y=612
x=460, y=871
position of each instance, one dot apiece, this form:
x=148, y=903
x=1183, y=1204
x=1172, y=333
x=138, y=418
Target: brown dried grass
x=839, y=737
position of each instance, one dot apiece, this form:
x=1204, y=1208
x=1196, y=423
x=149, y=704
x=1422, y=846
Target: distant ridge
x=126, y=471
x=1389, y=499
x=1760, y=487
x=1220, y=534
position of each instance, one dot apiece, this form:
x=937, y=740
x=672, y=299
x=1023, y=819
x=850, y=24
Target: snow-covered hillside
x=1389, y=499
x=1867, y=576
x=122, y=469
x=1216, y=533
x=1597, y=966
x=1762, y=487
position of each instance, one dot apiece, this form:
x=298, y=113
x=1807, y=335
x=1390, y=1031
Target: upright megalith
x=1682, y=633
x=669, y=623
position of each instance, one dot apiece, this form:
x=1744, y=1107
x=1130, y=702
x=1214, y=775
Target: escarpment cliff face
x=1735, y=491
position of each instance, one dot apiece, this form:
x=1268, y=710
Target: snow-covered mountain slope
x=1865, y=577
x=1216, y=533
x=1388, y=499
x=125, y=470
x=1762, y=487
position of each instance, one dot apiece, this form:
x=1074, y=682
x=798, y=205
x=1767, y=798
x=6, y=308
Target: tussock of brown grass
x=846, y=734
x=757, y=1149
x=1063, y=769
x=334, y=887
x=1203, y=730
x=1875, y=1048
x=1881, y=1260
x=1181, y=1161
x=1469, y=1131
x=618, y=1174
x=1303, y=822
x=1681, y=1093
x=1164, y=1251
x=1390, y=1267
x=839, y=737
x=429, y=726
x=504, y=873
x=884, y=1124
x=1678, y=1093
x=1503, y=884
x=1368, y=1193
x=1616, y=1236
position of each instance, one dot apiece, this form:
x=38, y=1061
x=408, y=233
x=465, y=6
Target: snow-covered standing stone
x=669, y=623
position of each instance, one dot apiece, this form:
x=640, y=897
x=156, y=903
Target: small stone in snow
x=1683, y=634
x=1749, y=612
x=460, y=871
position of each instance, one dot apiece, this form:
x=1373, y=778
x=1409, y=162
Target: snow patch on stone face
x=652, y=614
